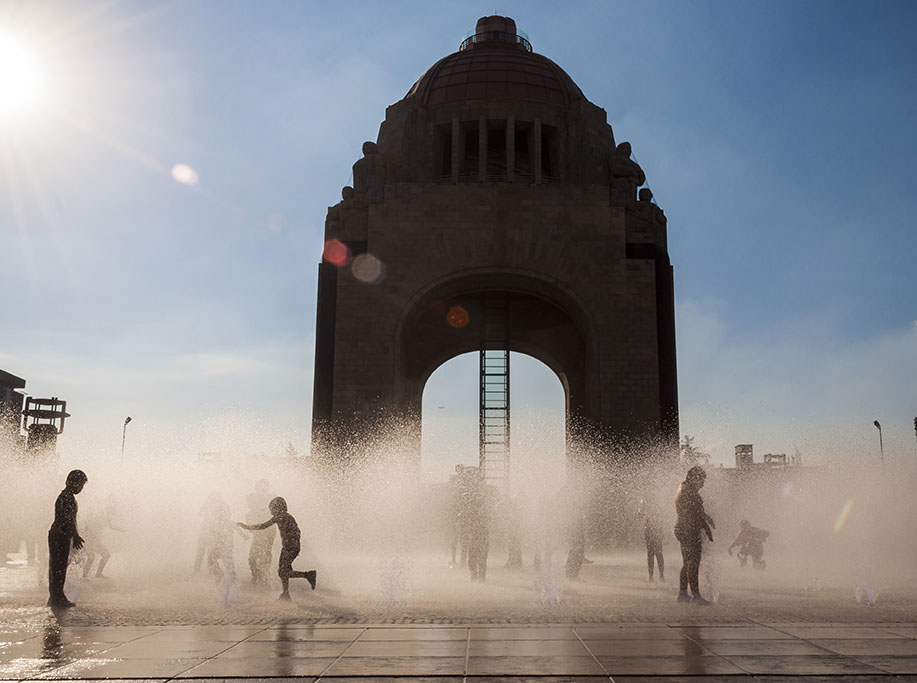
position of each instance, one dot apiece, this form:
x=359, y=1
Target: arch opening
x=449, y=434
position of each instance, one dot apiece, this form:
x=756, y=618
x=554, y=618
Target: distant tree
x=291, y=450
x=691, y=455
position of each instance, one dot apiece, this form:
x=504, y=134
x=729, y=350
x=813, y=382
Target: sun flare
x=21, y=78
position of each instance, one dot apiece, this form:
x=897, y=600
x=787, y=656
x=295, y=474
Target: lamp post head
x=128, y=419
x=876, y=423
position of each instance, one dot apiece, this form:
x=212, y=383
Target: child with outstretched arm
x=61, y=536
x=289, y=539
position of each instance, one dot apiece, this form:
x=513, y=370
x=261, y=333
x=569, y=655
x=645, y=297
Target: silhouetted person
x=61, y=535
x=289, y=539
x=513, y=534
x=95, y=545
x=570, y=501
x=210, y=514
x=259, y=555
x=476, y=519
x=459, y=491
x=691, y=523
x=220, y=556
x=652, y=536
x=751, y=544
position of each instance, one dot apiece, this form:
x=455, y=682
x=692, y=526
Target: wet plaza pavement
x=621, y=652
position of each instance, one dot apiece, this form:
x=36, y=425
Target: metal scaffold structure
x=494, y=429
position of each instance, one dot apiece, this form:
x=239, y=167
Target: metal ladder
x=494, y=428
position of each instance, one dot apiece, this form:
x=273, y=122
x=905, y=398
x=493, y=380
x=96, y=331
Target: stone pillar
x=457, y=148
x=536, y=150
x=510, y=148
x=482, y=149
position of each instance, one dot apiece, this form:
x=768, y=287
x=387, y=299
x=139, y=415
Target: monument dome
x=495, y=62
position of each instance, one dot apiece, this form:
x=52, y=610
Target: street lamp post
x=881, y=449
x=124, y=434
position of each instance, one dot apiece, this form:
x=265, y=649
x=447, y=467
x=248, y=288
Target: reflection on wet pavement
x=597, y=651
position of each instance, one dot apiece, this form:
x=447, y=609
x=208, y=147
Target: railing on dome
x=495, y=36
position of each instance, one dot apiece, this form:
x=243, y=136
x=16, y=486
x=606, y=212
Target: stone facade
x=494, y=176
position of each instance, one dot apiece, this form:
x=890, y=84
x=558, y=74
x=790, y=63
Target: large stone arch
x=547, y=323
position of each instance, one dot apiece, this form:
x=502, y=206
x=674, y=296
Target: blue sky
x=779, y=137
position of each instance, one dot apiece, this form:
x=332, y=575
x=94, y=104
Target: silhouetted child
x=211, y=512
x=220, y=556
x=259, y=554
x=62, y=533
x=289, y=539
x=652, y=536
x=751, y=544
x=95, y=545
x=691, y=523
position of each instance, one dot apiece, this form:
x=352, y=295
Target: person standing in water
x=61, y=535
x=691, y=523
x=259, y=556
x=652, y=536
x=95, y=543
x=289, y=539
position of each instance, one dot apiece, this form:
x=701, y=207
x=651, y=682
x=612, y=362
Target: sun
x=21, y=79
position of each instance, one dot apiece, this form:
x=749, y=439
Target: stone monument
x=495, y=179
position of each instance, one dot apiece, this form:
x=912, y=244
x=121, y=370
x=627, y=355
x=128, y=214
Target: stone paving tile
x=801, y=665
x=247, y=680
x=119, y=680
x=869, y=646
x=684, y=679
x=668, y=666
x=644, y=648
x=285, y=648
x=27, y=667
x=95, y=634
x=537, y=679
x=864, y=678
x=415, y=634
x=141, y=649
x=397, y=666
x=399, y=679
x=890, y=664
x=790, y=646
x=527, y=648
x=210, y=635
x=629, y=632
x=307, y=633
x=524, y=633
x=37, y=648
x=266, y=667
x=533, y=666
x=837, y=631
x=121, y=668
x=407, y=648
x=730, y=633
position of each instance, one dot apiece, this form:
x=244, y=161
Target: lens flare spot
x=337, y=253
x=844, y=514
x=786, y=488
x=367, y=268
x=184, y=174
x=457, y=317
x=276, y=222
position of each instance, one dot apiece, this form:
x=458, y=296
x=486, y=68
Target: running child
x=289, y=539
